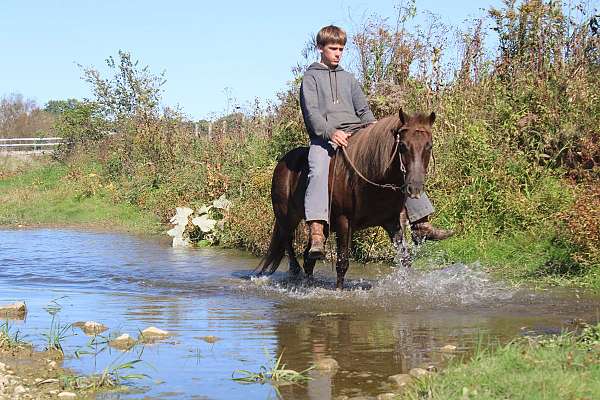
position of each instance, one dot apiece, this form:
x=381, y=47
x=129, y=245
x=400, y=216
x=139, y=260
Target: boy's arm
x=361, y=107
x=309, y=103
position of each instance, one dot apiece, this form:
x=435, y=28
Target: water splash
x=455, y=285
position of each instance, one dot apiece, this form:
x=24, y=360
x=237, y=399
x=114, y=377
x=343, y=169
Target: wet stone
x=401, y=380
x=91, y=328
x=210, y=339
x=386, y=396
x=67, y=395
x=326, y=364
x=123, y=342
x=152, y=334
x=15, y=310
x=449, y=348
x=418, y=372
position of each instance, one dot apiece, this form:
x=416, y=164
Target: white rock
x=93, y=328
x=19, y=390
x=387, y=396
x=67, y=395
x=449, y=348
x=205, y=223
x=418, y=372
x=153, y=333
x=122, y=342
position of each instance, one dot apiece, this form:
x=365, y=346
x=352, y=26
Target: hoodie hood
x=318, y=65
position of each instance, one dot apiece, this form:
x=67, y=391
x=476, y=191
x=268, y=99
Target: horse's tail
x=275, y=254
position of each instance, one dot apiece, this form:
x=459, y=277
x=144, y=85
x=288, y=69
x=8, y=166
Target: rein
x=379, y=185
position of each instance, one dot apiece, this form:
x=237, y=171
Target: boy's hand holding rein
x=340, y=138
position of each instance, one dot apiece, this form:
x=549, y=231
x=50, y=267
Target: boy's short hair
x=331, y=34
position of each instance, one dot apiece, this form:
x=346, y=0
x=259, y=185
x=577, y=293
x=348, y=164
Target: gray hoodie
x=332, y=99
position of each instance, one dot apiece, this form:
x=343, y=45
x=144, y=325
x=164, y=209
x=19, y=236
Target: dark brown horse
x=371, y=179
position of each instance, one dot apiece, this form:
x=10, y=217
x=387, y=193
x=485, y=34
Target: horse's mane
x=371, y=148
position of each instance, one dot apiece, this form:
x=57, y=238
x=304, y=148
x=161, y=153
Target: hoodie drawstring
x=334, y=98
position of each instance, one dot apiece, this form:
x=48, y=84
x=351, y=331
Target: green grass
x=44, y=195
x=561, y=367
x=275, y=372
x=532, y=258
x=9, y=338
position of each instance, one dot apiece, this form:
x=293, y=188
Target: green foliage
x=57, y=107
x=10, y=339
x=286, y=138
x=115, y=374
x=132, y=90
x=275, y=372
x=78, y=124
x=546, y=367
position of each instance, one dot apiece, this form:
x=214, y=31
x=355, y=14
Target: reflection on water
x=390, y=320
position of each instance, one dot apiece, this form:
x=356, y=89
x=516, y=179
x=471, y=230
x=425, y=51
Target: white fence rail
x=29, y=145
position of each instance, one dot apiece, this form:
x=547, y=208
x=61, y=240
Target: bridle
x=389, y=186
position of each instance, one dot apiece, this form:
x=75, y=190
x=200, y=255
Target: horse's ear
x=431, y=118
x=403, y=117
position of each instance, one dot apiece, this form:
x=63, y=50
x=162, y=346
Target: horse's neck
x=370, y=152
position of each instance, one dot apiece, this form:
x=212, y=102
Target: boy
x=334, y=106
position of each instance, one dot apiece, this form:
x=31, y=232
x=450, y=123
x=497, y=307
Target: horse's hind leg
x=294, y=266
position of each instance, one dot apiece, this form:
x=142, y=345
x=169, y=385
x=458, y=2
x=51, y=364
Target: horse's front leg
x=343, y=235
x=396, y=232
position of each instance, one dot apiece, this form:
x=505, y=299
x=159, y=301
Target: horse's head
x=414, y=147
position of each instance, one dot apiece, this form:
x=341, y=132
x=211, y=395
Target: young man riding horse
x=334, y=107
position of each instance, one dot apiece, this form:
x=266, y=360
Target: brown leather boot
x=317, y=240
x=422, y=230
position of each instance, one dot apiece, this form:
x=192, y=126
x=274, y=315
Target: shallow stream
x=387, y=322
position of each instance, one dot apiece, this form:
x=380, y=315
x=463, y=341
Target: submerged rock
x=326, y=364
x=401, y=380
x=123, y=342
x=419, y=372
x=14, y=310
x=210, y=339
x=449, y=348
x=91, y=328
x=152, y=334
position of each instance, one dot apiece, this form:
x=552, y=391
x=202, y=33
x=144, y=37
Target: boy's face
x=331, y=54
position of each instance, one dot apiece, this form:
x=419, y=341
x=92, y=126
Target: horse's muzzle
x=414, y=190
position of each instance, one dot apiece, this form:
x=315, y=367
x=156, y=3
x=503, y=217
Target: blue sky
x=204, y=47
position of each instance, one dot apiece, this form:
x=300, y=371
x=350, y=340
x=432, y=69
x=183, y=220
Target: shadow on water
x=386, y=322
